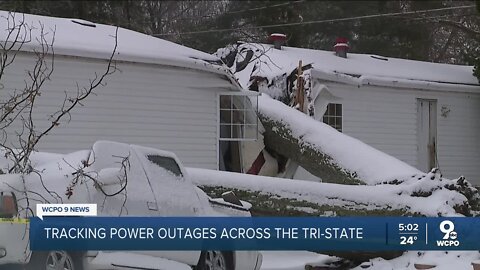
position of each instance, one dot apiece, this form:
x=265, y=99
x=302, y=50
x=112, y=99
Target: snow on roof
x=373, y=65
x=358, y=68
x=86, y=39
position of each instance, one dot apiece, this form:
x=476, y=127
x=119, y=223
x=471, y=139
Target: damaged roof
x=358, y=69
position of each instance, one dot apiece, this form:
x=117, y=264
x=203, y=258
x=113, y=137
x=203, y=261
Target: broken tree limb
x=269, y=196
x=271, y=205
x=272, y=196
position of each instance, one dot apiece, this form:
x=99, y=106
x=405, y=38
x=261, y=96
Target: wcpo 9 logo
x=447, y=227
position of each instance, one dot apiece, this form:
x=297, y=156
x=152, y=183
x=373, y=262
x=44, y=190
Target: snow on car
x=123, y=180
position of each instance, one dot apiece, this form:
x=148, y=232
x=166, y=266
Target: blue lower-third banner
x=257, y=233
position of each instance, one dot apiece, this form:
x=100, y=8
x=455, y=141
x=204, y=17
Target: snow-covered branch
x=425, y=195
x=20, y=104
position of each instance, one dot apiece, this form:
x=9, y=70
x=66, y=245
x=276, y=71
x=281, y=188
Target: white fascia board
x=393, y=82
x=102, y=54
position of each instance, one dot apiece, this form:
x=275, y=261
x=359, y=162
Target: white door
x=426, y=134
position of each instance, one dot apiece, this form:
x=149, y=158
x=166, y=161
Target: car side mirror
x=230, y=197
x=110, y=176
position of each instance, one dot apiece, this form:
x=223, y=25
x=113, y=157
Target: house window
x=238, y=118
x=238, y=123
x=333, y=116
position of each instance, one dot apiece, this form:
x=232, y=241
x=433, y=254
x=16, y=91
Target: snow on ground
x=36, y=158
x=40, y=158
x=444, y=260
x=371, y=165
x=440, y=201
x=292, y=260
x=348, y=196
x=136, y=261
x=296, y=260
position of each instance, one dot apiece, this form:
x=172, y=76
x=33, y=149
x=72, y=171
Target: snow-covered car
x=122, y=180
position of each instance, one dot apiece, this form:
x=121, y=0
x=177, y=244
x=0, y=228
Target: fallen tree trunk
x=268, y=205
x=279, y=139
x=428, y=196
x=276, y=206
x=323, y=151
x=284, y=197
x=272, y=205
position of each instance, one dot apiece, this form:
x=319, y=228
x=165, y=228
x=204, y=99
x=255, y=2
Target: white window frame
x=217, y=100
x=254, y=110
x=334, y=116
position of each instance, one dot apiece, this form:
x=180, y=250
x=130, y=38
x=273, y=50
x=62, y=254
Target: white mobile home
x=162, y=94
x=425, y=114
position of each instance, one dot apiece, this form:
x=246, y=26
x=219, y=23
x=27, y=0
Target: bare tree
x=83, y=175
x=19, y=104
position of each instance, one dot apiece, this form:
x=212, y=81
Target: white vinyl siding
x=459, y=136
x=386, y=118
x=369, y=116
x=165, y=107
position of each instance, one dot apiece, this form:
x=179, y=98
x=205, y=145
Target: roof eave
x=364, y=80
x=189, y=63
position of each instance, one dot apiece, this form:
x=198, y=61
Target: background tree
x=476, y=69
x=20, y=117
x=448, y=36
x=18, y=105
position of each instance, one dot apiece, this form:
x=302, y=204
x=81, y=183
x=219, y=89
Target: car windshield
x=166, y=163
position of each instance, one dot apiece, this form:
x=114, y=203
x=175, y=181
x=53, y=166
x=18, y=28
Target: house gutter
x=164, y=60
x=362, y=80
